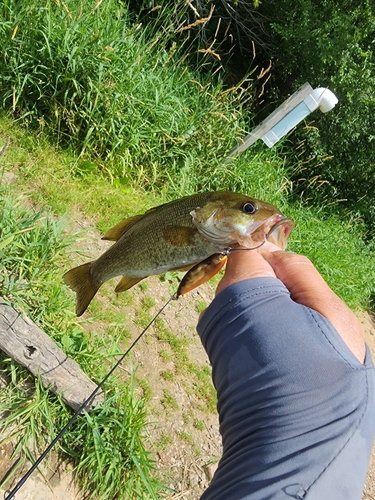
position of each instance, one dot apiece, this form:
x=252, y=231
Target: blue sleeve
x=296, y=407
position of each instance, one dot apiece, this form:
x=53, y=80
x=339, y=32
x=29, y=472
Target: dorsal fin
x=119, y=229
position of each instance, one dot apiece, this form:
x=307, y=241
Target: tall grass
x=106, y=447
x=31, y=245
x=122, y=97
x=336, y=247
x=107, y=87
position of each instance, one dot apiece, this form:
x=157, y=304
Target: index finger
x=245, y=264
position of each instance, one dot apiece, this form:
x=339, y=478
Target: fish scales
x=143, y=251
x=179, y=235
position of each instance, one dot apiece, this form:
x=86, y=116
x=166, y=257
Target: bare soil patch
x=183, y=426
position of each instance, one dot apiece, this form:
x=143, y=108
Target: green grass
x=106, y=446
x=143, y=318
x=115, y=121
x=186, y=437
x=169, y=401
x=44, y=176
x=168, y=375
x=337, y=248
x=165, y=440
x=146, y=389
x=199, y=384
x=199, y=425
x=166, y=355
x=177, y=344
x=202, y=387
x=200, y=306
x=31, y=249
x=148, y=302
x=107, y=89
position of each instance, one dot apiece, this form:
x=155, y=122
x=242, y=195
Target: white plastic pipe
x=325, y=98
x=320, y=98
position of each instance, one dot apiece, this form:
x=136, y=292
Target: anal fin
x=125, y=283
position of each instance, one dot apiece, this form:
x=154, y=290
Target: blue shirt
x=296, y=407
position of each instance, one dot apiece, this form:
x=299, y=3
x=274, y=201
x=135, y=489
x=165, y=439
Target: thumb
x=307, y=287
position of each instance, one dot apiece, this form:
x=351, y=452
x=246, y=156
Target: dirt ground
x=185, y=465
x=186, y=453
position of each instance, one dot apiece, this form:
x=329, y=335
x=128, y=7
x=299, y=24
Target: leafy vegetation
x=327, y=44
x=124, y=115
x=107, y=89
x=332, y=45
x=31, y=246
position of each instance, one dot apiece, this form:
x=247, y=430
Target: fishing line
x=24, y=478
x=175, y=296
x=228, y=250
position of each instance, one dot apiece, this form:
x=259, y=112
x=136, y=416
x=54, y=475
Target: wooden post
x=32, y=348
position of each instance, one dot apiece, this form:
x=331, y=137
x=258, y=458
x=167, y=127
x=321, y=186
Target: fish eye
x=249, y=207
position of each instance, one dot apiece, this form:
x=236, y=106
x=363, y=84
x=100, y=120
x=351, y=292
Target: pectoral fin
x=201, y=272
x=125, y=283
x=179, y=236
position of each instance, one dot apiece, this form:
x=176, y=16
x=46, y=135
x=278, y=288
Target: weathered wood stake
x=32, y=348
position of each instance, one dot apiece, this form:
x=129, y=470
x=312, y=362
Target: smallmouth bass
x=190, y=232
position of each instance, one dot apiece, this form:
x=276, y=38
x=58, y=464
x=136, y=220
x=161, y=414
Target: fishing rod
x=22, y=481
x=182, y=289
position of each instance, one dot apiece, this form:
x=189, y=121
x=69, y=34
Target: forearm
x=279, y=368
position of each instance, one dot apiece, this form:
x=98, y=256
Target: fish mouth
x=277, y=230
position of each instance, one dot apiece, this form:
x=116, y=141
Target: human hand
x=305, y=284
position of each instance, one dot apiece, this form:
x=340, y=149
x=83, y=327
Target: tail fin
x=80, y=281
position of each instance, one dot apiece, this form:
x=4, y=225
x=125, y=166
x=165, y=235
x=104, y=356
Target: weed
x=106, y=446
x=199, y=425
x=110, y=94
x=148, y=302
x=202, y=387
x=123, y=299
x=177, y=345
x=165, y=440
x=200, y=306
x=339, y=252
x=143, y=318
x=118, y=331
x=168, y=375
x=169, y=401
x=116, y=461
x=146, y=389
x=166, y=355
x=186, y=437
x=187, y=417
